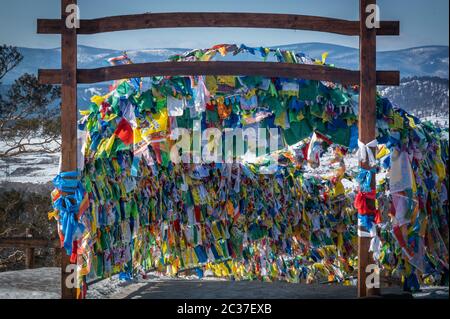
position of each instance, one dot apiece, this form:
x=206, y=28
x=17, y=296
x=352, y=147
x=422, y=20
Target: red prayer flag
x=124, y=131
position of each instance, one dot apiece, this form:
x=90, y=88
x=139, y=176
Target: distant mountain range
x=421, y=96
x=88, y=57
x=425, y=70
x=421, y=61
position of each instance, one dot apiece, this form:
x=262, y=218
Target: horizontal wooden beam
x=266, y=69
x=388, y=78
x=28, y=243
x=217, y=20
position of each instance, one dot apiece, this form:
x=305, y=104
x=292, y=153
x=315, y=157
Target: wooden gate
x=367, y=77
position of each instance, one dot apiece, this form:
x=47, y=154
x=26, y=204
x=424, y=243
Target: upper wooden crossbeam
x=267, y=69
x=216, y=19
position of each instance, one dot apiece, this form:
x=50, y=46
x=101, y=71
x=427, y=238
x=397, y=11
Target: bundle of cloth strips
x=293, y=213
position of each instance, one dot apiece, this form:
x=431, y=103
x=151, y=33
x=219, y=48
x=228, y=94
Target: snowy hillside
x=414, y=95
x=421, y=96
x=88, y=57
x=422, y=61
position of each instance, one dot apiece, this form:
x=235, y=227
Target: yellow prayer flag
x=324, y=57
x=109, y=144
x=98, y=99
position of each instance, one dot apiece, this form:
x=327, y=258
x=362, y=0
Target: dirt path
x=169, y=288
x=203, y=289
x=44, y=283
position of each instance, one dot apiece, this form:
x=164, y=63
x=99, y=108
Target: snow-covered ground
x=36, y=168
x=44, y=283
x=33, y=168
x=41, y=283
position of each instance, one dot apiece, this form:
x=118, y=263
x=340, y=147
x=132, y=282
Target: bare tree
x=9, y=59
x=29, y=112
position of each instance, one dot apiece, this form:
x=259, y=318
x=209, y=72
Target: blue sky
x=423, y=22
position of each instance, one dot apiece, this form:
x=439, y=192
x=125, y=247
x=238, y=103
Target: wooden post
x=367, y=126
x=68, y=74
x=68, y=120
x=29, y=252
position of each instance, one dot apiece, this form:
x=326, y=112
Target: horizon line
x=271, y=46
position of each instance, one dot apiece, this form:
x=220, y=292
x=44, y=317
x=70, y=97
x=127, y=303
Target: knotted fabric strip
x=361, y=202
x=68, y=205
x=367, y=217
x=364, y=179
x=365, y=153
